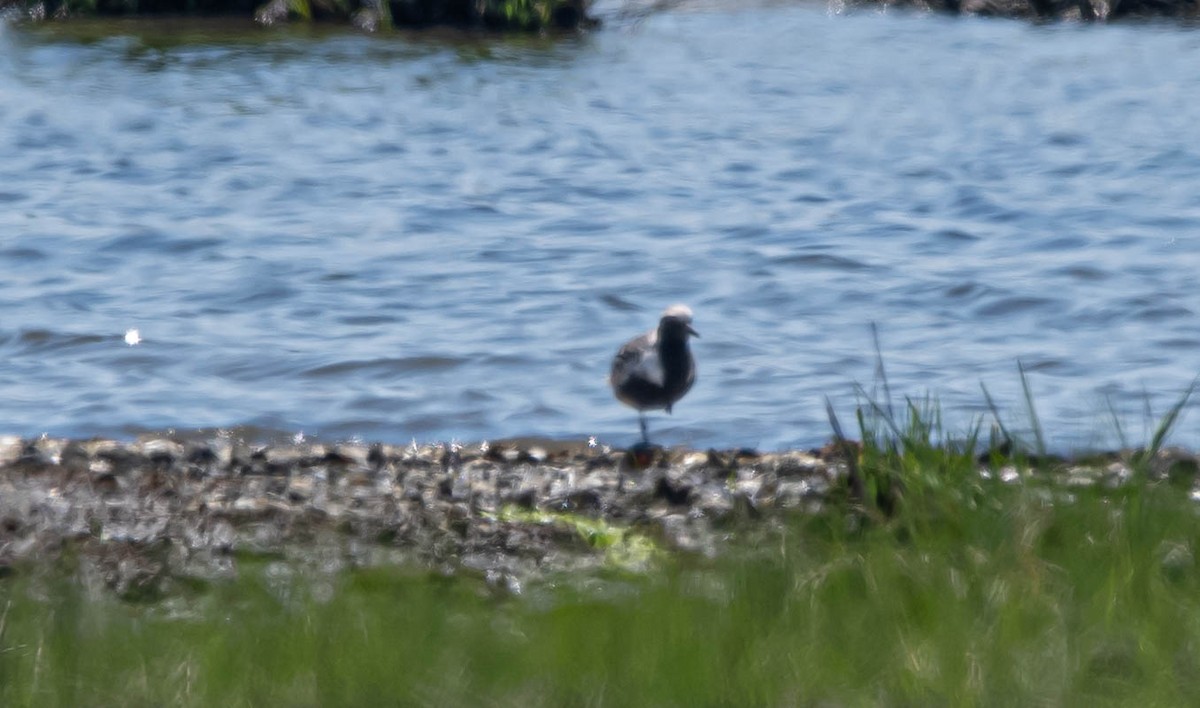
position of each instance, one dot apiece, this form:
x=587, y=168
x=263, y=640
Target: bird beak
x=692, y=332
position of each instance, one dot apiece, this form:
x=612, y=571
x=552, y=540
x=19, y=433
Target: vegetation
x=955, y=571
x=519, y=15
x=542, y=15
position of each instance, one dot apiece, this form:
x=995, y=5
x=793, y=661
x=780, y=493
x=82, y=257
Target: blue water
x=413, y=237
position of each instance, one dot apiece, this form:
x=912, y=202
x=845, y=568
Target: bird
x=655, y=370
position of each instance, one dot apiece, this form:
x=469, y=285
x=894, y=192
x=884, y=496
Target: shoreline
x=542, y=16
x=142, y=512
x=145, y=518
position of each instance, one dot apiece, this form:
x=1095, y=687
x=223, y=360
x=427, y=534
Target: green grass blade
x=1167, y=423
x=1116, y=419
x=995, y=410
x=881, y=371
x=1034, y=421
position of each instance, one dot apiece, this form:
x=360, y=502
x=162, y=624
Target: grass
x=932, y=584
x=1095, y=601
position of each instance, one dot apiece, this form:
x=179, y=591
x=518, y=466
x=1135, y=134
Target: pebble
x=145, y=510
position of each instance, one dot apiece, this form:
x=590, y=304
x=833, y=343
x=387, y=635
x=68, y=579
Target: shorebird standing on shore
x=654, y=370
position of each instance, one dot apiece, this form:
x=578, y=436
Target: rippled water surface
x=409, y=237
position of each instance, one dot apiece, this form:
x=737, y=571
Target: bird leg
x=645, y=435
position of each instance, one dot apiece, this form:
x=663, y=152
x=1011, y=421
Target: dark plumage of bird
x=655, y=370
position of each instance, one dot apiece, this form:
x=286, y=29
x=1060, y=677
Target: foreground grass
x=1015, y=596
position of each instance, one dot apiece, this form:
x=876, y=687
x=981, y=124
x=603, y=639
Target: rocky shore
x=543, y=15
x=145, y=518
x=1042, y=10
x=141, y=517
x=367, y=15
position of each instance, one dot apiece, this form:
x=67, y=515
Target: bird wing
x=638, y=359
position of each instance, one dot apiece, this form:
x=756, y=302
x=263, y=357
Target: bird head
x=676, y=323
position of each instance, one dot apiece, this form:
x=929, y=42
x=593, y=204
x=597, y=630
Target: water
x=396, y=238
